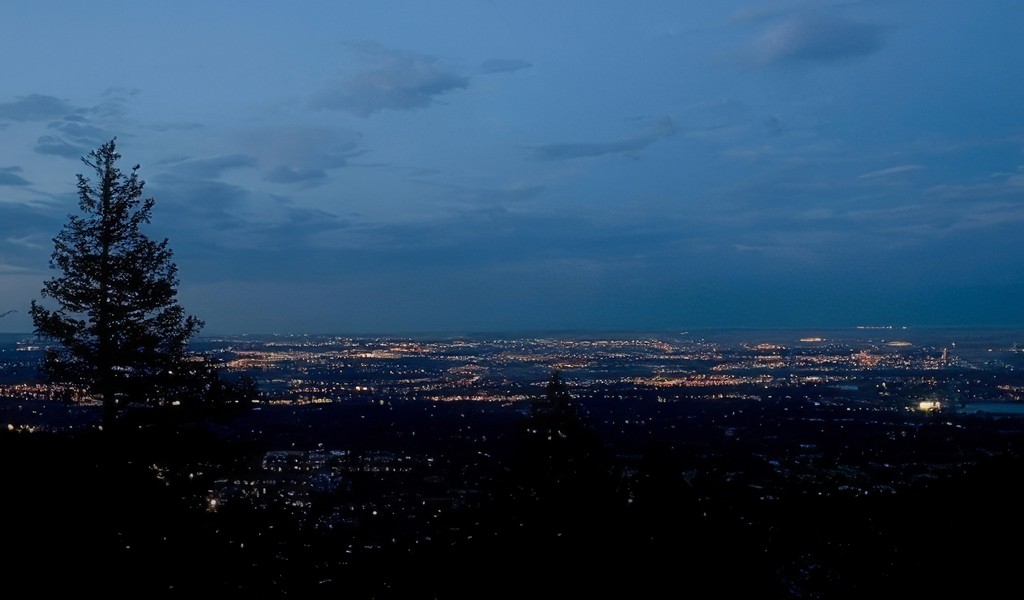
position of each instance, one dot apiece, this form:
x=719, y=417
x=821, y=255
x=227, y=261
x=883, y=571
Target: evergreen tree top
x=118, y=324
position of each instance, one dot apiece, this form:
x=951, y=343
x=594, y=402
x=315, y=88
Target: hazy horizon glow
x=463, y=166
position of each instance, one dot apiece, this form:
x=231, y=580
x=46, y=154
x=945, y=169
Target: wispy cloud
x=26, y=229
x=9, y=176
x=994, y=186
x=892, y=171
x=813, y=37
x=286, y=174
x=9, y=269
x=299, y=225
x=212, y=168
x=503, y=65
x=474, y=196
x=73, y=137
x=32, y=241
x=35, y=107
x=56, y=146
x=301, y=155
x=664, y=127
x=161, y=127
x=389, y=80
x=197, y=205
x=114, y=102
x=72, y=131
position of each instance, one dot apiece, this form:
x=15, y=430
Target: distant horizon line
x=532, y=332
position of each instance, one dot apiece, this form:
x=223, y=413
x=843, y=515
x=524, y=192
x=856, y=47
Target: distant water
x=10, y=339
x=11, y=343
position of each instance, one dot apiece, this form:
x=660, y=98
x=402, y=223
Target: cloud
x=197, y=204
x=392, y=80
x=27, y=230
x=299, y=224
x=812, y=37
x=212, y=168
x=9, y=176
x=71, y=130
x=31, y=241
x=892, y=171
x=74, y=138
x=114, y=101
x=490, y=234
x=664, y=127
x=478, y=196
x=8, y=269
x=56, y=146
x=503, y=65
x=301, y=155
x=79, y=130
x=997, y=185
x=285, y=174
x=175, y=126
x=120, y=93
x=234, y=227
x=35, y=107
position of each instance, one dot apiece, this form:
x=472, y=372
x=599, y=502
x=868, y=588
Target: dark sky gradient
x=389, y=166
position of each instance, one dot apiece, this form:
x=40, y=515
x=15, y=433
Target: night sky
x=391, y=167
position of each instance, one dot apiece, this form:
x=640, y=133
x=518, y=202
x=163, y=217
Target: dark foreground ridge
x=789, y=489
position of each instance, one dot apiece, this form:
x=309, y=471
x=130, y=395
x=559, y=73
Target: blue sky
x=383, y=166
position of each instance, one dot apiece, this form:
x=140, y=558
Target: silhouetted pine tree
x=119, y=327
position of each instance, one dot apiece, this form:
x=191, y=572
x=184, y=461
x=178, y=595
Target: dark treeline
x=563, y=502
